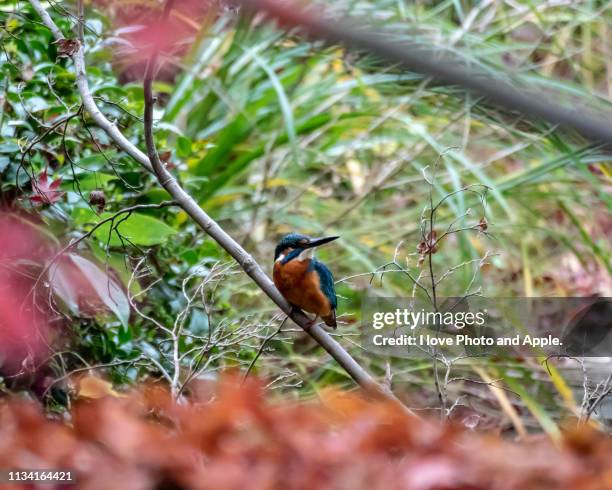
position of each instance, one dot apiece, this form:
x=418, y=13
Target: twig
x=602, y=390
x=262, y=347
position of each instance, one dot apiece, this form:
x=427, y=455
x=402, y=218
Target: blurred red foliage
x=38, y=289
x=138, y=28
x=236, y=439
x=24, y=326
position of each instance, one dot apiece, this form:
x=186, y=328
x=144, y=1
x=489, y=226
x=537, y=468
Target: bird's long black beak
x=315, y=242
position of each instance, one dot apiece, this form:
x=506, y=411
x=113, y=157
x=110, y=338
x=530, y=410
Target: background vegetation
x=273, y=133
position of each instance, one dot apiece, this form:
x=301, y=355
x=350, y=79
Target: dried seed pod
x=67, y=47
x=98, y=199
x=483, y=225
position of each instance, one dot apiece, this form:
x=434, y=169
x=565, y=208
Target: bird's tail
x=330, y=320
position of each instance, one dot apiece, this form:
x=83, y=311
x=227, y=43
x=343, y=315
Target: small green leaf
x=90, y=181
x=139, y=229
x=37, y=104
x=183, y=147
x=4, y=161
x=9, y=147
x=198, y=323
x=96, y=161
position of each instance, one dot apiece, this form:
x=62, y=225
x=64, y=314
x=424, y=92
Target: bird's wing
x=327, y=281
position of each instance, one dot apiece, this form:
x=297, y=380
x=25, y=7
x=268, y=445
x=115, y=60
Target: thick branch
x=440, y=65
x=189, y=205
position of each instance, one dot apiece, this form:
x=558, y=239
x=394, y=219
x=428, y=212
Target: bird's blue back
x=326, y=280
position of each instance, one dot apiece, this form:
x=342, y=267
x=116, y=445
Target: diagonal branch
x=190, y=206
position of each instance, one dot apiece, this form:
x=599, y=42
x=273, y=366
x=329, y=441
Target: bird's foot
x=307, y=324
x=311, y=323
x=295, y=310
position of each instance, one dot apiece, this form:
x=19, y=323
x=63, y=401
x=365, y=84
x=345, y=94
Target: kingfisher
x=305, y=282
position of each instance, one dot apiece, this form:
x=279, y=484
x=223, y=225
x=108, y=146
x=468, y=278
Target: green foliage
x=133, y=228
x=272, y=133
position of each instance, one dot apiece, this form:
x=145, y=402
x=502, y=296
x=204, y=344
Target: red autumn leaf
x=24, y=324
x=45, y=192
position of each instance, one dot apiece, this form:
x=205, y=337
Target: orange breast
x=301, y=287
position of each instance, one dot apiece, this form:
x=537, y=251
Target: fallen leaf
x=94, y=387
